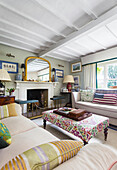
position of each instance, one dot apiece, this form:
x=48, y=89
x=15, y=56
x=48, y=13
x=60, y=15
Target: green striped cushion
x=45, y=156
x=5, y=137
x=4, y=112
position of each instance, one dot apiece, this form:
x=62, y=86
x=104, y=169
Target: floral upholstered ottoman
x=84, y=129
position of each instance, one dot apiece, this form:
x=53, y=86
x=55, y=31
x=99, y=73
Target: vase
x=11, y=93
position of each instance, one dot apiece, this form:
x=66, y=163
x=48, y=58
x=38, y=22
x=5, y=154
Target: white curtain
x=90, y=76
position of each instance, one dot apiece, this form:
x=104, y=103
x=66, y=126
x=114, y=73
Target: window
x=107, y=74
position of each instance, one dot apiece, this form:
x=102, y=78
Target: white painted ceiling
x=63, y=29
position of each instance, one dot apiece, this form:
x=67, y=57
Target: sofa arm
x=18, y=109
x=75, y=98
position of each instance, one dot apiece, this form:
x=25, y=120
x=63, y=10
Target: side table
x=69, y=104
x=6, y=100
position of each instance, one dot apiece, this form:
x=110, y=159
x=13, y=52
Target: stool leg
x=44, y=123
x=36, y=108
x=60, y=102
x=32, y=109
x=55, y=103
x=27, y=110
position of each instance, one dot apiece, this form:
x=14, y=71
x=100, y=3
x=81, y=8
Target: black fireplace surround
x=38, y=94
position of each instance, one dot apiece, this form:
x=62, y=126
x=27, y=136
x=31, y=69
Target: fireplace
x=38, y=94
x=22, y=88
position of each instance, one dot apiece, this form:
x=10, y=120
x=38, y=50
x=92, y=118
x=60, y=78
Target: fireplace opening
x=38, y=94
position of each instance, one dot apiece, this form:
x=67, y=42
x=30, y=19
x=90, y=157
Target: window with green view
x=107, y=74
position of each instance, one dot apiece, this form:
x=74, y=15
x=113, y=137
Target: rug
x=62, y=134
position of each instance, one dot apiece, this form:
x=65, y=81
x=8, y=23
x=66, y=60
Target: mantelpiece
x=23, y=86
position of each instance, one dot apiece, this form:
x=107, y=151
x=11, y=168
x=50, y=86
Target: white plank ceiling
x=63, y=29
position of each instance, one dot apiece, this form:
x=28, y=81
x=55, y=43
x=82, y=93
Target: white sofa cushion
x=24, y=141
x=90, y=157
x=18, y=124
x=108, y=110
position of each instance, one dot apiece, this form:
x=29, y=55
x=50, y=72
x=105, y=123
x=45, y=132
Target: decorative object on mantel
x=18, y=77
x=23, y=68
x=53, y=74
x=68, y=79
x=10, y=55
x=54, y=77
x=11, y=67
x=4, y=76
x=11, y=91
x=76, y=67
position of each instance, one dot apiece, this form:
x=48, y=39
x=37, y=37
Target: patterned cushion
x=105, y=98
x=87, y=95
x=7, y=110
x=11, y=109
x=5, y=137
x=45, y=156
x=4, y=112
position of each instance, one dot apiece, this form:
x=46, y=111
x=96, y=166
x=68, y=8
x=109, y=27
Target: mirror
x=37, y=69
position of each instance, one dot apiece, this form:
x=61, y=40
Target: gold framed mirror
x=37, y=69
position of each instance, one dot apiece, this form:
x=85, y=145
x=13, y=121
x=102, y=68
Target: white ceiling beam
x=25, y=30
x=85, y=7
x=32, y=19
x=26, y=38
x=73, y=49
x=19, y=47
x=20, y=41
x=63, y=54
x=66, y=52
x=102, y=20
x=111, y=31
x=57, y=15
x=84, y=46
x=97, y=42
x=75, y=46
x=59, y=57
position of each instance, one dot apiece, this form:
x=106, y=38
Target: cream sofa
x=26, y=134
x=100, y=109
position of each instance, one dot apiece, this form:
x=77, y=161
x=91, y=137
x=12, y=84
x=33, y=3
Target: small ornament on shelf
x=11, y=91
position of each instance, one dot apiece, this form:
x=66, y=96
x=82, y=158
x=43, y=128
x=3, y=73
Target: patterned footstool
x=84, y=129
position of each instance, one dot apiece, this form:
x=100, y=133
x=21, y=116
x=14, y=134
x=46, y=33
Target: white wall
x=21, y=55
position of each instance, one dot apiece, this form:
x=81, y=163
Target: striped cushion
x=5, y=137
x=4, y=112
x=105, y=99
x=45, y=156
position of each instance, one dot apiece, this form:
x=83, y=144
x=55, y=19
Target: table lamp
x=4, y=76
x=68, y=79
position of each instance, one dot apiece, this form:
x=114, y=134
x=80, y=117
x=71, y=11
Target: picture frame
x=76, y=67
x=76, y=81
x=11, y=67
x=59, y=73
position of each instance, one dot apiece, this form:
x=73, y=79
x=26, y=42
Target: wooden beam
x=102, y=20
x=28, y=31
x=31, y=19
x=26, y=38
x=57, y=15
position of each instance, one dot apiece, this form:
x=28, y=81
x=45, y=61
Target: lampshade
x=4, y=76
x=68, y=79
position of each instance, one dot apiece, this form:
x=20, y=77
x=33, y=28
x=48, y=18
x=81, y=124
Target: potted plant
x=11, y=90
